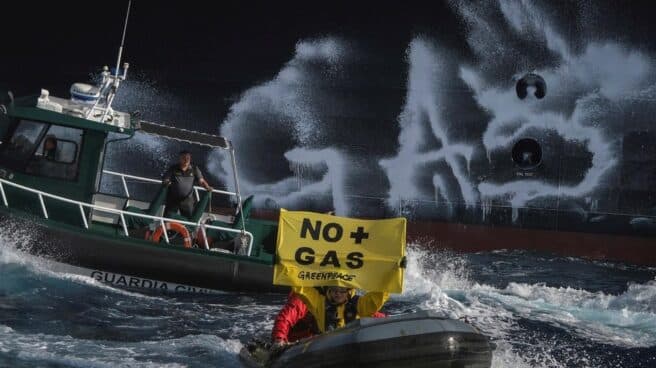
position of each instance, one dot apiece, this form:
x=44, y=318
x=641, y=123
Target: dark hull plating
x=592, y=244
x=133, y=257
x=639, y=250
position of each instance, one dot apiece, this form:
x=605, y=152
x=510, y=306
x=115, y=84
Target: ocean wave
x=45, y=350
x=442, y=281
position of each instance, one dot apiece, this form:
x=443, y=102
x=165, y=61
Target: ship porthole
x=528, y=82
x=527, y=153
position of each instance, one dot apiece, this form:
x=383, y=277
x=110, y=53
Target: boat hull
x=134, y=263
x=421, y=339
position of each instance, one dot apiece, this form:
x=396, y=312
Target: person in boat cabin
x=310, y=311
x=181, y=179
x=50, y=147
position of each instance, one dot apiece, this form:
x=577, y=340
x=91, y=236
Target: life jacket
x=332, y=312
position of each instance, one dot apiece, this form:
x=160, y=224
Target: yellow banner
x=322, y=250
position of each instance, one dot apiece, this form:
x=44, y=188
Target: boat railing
x=159, y=181
x=122, y=213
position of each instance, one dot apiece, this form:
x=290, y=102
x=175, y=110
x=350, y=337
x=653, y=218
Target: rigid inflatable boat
x=421, y=339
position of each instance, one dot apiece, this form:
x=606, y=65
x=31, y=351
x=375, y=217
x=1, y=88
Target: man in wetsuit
x=181, y=179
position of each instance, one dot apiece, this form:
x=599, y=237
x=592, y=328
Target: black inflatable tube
x=420, y=339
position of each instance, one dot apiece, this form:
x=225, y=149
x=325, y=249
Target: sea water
x=540, y=310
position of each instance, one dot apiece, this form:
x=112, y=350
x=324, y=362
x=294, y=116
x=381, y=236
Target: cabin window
x=57, y=154
x=23, y=142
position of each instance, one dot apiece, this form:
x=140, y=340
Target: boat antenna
x=114, y=87
x=120, y=49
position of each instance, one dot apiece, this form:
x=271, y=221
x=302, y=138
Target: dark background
x=224, y=47
x=191, y=61
x=228, y=46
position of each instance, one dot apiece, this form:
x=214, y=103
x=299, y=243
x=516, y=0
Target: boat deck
x=121, y=216
x=258, y=252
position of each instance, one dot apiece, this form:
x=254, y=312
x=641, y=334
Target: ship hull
x=639, y=250
x=595, y=244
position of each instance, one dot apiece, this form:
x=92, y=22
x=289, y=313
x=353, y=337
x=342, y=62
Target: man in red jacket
x=294, y=322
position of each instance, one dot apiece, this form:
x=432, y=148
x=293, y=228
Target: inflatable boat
x=421, y=339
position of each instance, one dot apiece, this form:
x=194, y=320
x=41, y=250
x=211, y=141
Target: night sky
x=220, y=50
x=227, y=43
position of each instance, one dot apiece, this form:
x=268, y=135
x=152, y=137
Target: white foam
x=626, y=320
x=10, y=237
x=440, y=281
x=330, y=49
x=65, y=350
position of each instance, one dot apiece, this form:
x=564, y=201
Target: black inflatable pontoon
x=421, y=339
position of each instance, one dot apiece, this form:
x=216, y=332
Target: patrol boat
x=51, y=166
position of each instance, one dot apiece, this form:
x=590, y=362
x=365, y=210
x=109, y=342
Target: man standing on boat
x=181, y=178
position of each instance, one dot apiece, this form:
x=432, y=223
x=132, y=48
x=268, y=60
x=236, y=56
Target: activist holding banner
x=325, y=258
x=294, y=322
x=338, y=306
x=322, y=250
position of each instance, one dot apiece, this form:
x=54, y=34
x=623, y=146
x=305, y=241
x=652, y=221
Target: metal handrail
x=121, y=214
x=150, y=180
x=236, y=193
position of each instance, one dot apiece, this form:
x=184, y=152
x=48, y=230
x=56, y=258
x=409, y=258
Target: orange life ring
x=173, y=226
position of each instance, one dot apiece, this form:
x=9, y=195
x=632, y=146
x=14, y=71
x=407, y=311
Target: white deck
x=81, y=109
